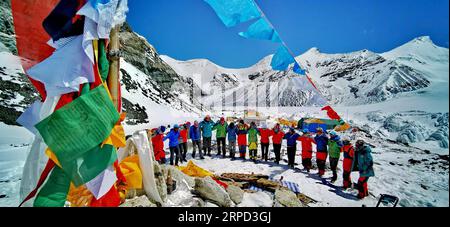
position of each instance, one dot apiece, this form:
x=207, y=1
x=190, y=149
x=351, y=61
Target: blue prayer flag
x=299, y=70
x=282, y=59
x=234, y=12
x=261, y=29
x=96, y=2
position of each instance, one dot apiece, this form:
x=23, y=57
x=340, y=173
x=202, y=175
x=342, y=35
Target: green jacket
x=253, y=135
x=221, y=130
x=334, y=147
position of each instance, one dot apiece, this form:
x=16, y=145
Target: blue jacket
x=195, y=133
x=363, y=161
x=173, y=138
x=206, y=128
x=291, y=139
x=321, y=142
x=232, y=133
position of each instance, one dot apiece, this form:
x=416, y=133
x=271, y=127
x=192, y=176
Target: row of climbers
x=328, y=146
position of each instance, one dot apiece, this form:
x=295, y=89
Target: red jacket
x=242, y=140
x=348, y=157
x=265, y=134
x=277, y=138
x=184, y=135
x=158, y=147
x=306, y=146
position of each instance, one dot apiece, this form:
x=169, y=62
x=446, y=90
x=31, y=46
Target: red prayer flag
x=31, y=37
x=331, y=113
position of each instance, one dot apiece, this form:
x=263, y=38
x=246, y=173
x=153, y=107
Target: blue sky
x=189, y=29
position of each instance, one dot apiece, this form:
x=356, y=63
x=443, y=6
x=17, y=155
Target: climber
x=183, y=141
x=206, y=127
x=253, y=141
x=242, y=138
x=232, y=136
x=157, y=136
x=292, y=137
x=334, y=148
x=195, y=135
x=307, y=149
x=322, y=150
x=349, y=152
x=364, y=163
x=277, y=138
x=265, y=134
x=173, y=137
x=221, y=134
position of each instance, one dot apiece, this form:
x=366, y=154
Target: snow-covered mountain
x=151, y=89
x=356, y=78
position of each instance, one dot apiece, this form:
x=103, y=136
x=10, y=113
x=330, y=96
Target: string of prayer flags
x=234, y=12
x=81, y=129
x=262, y=30
x=282, y=59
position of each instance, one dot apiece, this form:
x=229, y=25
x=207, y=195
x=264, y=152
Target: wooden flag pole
x=114, y=56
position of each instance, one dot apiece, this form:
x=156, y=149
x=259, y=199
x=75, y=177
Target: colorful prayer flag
x=234, y=12
x=261, y=29
x=282, y=59
x=101, y=184
x=62, y=21
x=90, y=164
x=80, y=125
x=297, y=69
x=65, y=69
x=54, y=192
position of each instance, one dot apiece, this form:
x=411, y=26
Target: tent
x=313, y=123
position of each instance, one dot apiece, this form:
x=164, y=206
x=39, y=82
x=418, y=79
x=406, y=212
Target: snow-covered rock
x=287, y=198
x=208, y=189
x=441, y=136
x=236, y=193
x=141, y=201
x=413, y=132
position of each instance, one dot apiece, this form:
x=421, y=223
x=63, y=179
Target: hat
x=162, y=128
x=305, y=130
x=333, y=133
x=346, y=138
x=320, y=129
x=176, y=126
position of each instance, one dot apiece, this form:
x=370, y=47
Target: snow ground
x=14, y=147
x=416, y=184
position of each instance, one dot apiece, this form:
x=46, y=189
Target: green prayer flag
x=90, y=164
x=103, y=63
x=54, y=192
x=79, y=126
